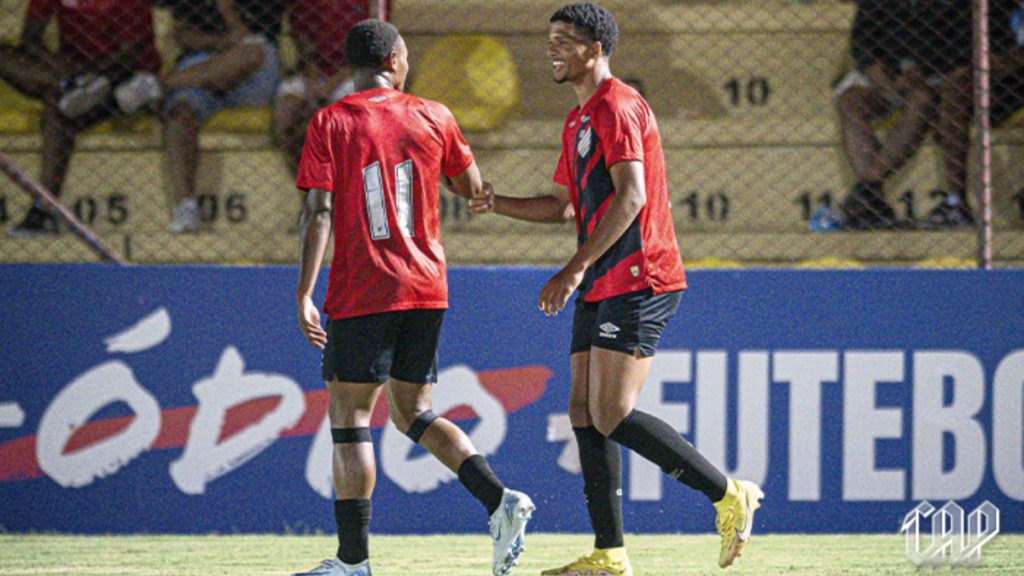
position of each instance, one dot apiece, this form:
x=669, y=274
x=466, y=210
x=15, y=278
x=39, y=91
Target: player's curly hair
x=369, y=43
x=593, y=20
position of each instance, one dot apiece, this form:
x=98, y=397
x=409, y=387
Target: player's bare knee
x=607, y=420
x=579, y=414
x=417, y=424
x=401, y=418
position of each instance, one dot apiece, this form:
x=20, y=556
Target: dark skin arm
x=315, y=229
x=467, y=185
x=630, y=198
x=554, y=208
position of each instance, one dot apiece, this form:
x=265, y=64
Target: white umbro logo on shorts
x=609, y=330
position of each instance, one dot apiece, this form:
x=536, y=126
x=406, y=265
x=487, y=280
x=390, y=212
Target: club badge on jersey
x=585, y=142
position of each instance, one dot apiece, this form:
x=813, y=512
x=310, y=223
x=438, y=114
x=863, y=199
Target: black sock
x=353, y=518
x=476, y=475
x=658, y=442
x=601, y=461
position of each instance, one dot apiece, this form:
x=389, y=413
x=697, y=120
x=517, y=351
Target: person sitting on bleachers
x=229, y=59
x=322, y=77
x=903, y=52
x=318, y=28
x=101, y=44
x=1006, y=42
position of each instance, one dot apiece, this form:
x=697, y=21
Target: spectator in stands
x=1006, y=41
x=319, y=28
x=229, y=59
x=101, y=44
x=322, y=77
x=903, y=52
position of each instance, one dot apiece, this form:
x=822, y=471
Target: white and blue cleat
x=508, y=529
x=335, y=567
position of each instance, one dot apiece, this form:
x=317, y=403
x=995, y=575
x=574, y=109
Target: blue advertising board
x=185, y=400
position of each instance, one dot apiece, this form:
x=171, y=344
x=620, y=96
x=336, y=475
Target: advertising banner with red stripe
x=185, y=400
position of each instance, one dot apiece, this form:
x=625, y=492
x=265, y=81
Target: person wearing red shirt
x=371, y=168
x=628, y=272
x=102, y=43
x=318, y=28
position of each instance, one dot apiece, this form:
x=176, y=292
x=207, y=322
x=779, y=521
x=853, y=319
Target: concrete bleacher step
x=249, y=203
x=748, y=189
x=553, y=247
x=556, y=246
x=531, y=16
x=64, y=248
x=691, y=59
x=128, y=191
x=713, y=76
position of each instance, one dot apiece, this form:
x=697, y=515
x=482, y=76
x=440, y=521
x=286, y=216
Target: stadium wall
x=184, y=399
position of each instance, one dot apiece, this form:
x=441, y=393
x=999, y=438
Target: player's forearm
x=622, y=211
x=545, y=209
x=315, y=227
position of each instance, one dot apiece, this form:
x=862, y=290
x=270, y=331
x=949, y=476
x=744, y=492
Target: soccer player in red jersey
x=627, y=269
x=372, y=163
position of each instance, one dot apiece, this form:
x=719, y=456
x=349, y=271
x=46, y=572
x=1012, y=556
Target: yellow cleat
x=610, y=562
x=736, y=518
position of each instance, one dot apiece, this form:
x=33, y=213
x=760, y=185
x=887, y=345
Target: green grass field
x=659, y=555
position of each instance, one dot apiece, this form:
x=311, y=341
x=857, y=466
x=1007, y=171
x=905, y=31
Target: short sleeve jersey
x=381, y=153
x=91, y=30
x=617, y=125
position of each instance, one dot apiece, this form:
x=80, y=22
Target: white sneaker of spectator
x=186, y=217
x=139, y=91
x=84, y=93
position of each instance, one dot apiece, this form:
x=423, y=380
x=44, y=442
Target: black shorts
x=630, y=323
x=370, y=349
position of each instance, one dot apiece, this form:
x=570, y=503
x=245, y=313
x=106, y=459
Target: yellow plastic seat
x=18, y=114
x=474, y=76
x=241, y=120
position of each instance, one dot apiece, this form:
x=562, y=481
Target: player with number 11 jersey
x=381, y=153
x=371, y=166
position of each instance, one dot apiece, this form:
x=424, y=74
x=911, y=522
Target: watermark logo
x=955, y=540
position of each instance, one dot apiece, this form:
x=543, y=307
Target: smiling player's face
x=571, y=54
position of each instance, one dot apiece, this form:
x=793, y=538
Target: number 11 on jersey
x=376, y=206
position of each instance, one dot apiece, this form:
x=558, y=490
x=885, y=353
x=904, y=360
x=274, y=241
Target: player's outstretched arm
x=315, y=231
x=552, y=208
x=467, y=185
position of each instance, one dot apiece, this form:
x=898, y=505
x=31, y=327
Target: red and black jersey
x=617, y=125
x=381, y=153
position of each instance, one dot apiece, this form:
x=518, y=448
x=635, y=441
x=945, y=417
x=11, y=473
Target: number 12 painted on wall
x=376, y=205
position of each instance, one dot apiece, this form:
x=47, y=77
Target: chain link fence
x=816, y=132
